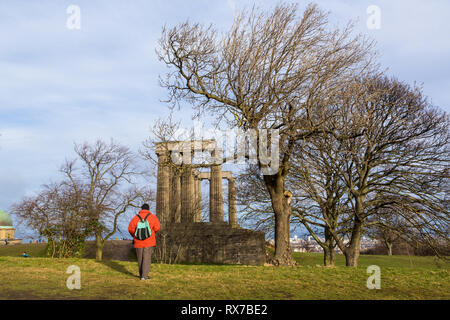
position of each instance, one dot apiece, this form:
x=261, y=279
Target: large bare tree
x=390, y=147
x=271, y=70
x=381, y=164
x=316, y=190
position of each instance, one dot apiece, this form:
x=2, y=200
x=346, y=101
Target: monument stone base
x=206, y=242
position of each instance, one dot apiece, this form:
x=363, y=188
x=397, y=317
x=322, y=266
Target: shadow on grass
x=117, y=267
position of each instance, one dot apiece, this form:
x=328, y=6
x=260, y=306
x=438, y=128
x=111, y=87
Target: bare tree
x=90, y=198
x=391, y=150
x=57, y=214
x=269, y=71
x=319, y=194
x=387, y=227
x=106, y=173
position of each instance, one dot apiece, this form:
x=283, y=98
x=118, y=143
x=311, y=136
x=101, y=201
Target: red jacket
x=154, y=226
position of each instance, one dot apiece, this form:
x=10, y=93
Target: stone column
x=232, y=216
x=198, y=199
x=187, y=195
x=215, y=194
x=175, y=196
x=163, y=192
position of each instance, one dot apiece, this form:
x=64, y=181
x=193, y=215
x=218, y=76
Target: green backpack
x=143, y=230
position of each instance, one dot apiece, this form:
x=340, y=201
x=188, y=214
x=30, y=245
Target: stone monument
x=184, y=237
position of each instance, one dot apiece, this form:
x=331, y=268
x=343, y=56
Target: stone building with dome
x=7, y=230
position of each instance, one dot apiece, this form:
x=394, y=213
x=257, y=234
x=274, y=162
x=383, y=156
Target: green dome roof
x=5, y=219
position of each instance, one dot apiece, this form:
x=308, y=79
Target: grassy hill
x=402, y=277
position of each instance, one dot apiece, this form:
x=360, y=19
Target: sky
x=60, y=85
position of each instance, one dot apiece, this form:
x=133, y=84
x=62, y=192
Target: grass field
x=402, y=277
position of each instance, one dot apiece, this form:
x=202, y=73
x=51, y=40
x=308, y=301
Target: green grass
x=402, y=277
x=34, y=250
x=408, y=262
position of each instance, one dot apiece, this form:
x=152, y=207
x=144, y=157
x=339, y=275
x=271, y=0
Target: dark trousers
x=144, y=258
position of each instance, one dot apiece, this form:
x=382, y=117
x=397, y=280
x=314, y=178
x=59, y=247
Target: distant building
x=7, y=230
x=308, y=244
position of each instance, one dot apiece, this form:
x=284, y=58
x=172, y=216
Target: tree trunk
x=99, y=247
x=328, y=257
x=350, y=258
x=283, y=252
x=352, y=252
x=282, y=211
x=389, y=248
x=328, y=249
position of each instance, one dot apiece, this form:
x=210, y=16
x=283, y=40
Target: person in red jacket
x=144, y=248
